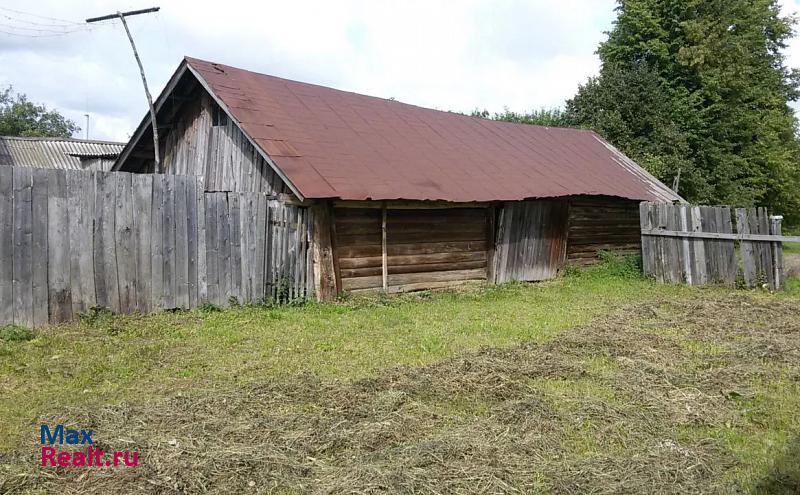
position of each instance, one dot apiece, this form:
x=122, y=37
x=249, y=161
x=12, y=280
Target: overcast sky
x=451, y=55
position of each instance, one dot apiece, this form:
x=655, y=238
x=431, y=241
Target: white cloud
x=451, y=55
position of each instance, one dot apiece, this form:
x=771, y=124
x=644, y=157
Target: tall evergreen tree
x=701, y=86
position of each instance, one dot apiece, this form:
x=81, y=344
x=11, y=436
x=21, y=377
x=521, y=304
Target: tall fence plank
x=39, y=192
x=58, y=249
x=6, y=246
x=71, y=240
x=23, y=247
x=142, y=186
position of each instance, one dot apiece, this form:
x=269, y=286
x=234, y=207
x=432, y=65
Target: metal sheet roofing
x=61, y=153
x=337, y=144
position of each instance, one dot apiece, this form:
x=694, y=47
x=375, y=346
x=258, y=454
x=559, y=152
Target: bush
x=15, y=333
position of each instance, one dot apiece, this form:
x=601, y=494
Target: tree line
x=699, y=88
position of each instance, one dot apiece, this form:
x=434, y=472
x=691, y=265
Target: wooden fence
x=698, y=245
x=71, y=240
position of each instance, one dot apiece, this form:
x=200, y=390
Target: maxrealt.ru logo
x=91, y=457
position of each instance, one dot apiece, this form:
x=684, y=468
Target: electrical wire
x=74, y=23
x=44, y=30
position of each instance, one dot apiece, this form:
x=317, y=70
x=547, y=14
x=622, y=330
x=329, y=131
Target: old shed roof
x=61, y=153
x=329, y=143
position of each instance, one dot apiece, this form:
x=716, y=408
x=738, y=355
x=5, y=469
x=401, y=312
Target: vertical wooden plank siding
x=157, y=244
x=70, y=240
x=6, y=246
x=181, y=243
x=58, y=249
x=23, y=247
x=234, y=224
x=142, y=186
x=202, y=260
x=533, y=239
x=80, y=203
x=191, y=240
x=169, y=291
x=125, y=245
x=212, y=249
x=39, y=192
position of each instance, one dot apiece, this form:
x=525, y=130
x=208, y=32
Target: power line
x=43, y=30
x=26, y=35
x=41, y=16
x=34, y=23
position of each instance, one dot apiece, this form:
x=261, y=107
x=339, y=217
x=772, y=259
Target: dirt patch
x=612, y=407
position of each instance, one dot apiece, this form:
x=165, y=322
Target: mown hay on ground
x=666, y=397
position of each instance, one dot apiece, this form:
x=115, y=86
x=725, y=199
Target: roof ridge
x=70, y=140
x=381, y=98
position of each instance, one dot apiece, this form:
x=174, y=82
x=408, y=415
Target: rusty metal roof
x=61, y=153
x=336, y=144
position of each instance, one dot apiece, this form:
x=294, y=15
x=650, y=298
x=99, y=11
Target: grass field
x=600, y=382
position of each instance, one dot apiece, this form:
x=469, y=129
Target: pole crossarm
x=126, y=14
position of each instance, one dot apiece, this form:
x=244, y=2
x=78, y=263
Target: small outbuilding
x=403, y=197
x=58, y=153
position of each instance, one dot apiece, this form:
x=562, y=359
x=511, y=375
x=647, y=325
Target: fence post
x=777, y=250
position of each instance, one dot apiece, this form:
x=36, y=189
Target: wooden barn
x=402, y=197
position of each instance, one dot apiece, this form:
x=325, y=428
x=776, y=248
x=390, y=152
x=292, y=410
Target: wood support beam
x=325, y=283
x=384, y=256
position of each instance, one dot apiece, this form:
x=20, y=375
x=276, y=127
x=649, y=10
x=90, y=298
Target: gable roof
x=328, y=143
x=61, y=153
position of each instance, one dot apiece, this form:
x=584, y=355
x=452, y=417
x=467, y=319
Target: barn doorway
x=531, y=240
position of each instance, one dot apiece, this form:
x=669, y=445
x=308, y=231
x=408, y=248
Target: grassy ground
x=599, y=381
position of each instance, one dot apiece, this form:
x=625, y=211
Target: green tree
x=701, y=85
x=551, y=117
x=20, y=117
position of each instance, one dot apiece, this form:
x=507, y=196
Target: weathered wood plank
x=325, y=283
x=191, y=240
x=124, y=241
x=202, y=250
x=81, y=202
x=6, y=246
x=235, y=246
x=260, y=237
x=224, y=236
x=142, y=192
x=157, y=248
x=169, y=229
x=212, y=247
x=22, y=282
x=777, y=253
x=39, y=202
x=181, y=259
x=414, y=278
x=58, y=248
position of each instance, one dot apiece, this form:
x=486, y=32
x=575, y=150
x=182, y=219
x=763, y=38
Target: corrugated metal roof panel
x=60, y=153
x=335, y=144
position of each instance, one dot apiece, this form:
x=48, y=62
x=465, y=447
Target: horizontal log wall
x=602, y=224
x=424, y=248
x=71, y=240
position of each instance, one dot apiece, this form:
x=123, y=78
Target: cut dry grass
x=637, y=388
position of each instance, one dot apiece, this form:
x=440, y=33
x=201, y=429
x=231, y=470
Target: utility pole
x=121, y=16
x=87, y=125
